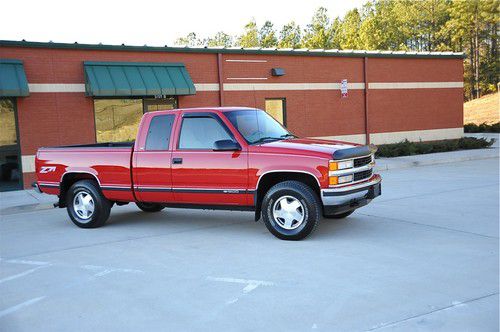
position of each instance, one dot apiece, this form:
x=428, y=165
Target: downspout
x=365, y=75
x=219, y=73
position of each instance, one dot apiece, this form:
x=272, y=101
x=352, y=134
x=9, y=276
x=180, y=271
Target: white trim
x=247, y=78
x=417, y=135
x=415, y=85
x=289, y=86
x=206, y=86
x=28, y=163
x=241, y=60
x=55, y=87
x=287, y=171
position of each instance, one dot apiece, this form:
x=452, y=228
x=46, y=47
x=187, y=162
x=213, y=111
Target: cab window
x=201, y=133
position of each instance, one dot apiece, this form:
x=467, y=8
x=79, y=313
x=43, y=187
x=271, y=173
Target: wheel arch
x=71, y=177
x=270, y=178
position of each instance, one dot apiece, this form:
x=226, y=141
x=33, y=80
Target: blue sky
x=149, y=22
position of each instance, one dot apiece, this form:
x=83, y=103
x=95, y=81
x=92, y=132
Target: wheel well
x=270, y=179
x=68, y=180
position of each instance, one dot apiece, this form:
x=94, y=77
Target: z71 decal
x=47, y=169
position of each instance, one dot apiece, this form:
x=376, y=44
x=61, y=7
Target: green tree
x=250, y=37
x=220, y=39
x=290, y=36
x=267, y=35
x=190, y=40
x=347, y=33
x=318, y=33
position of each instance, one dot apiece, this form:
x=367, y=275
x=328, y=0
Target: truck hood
x=320, y=147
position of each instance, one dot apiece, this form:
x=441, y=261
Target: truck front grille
x=359, y=162
x=362, y=175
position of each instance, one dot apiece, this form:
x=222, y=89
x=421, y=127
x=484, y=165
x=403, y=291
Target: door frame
x=18, y=142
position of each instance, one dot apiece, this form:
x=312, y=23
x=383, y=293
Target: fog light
x=337, y=165
x=334, y=180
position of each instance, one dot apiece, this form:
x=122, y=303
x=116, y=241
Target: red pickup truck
x=213, y=158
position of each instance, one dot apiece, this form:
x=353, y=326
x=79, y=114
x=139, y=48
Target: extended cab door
x=152, y=160
x=201, y=175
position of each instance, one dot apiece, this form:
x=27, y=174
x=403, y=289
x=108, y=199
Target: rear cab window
x=159, y=132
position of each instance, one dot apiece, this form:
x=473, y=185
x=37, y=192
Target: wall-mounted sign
x=343, y=88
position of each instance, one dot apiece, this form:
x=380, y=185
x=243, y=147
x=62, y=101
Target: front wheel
x=149, y=207
x=87, y=207
x=291, y=210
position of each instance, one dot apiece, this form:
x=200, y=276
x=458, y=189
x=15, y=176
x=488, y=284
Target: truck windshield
x=257, y=126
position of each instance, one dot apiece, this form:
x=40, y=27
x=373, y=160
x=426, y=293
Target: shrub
x=407, y=148
x=482, y=128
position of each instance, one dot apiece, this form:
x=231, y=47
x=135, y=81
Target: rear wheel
x=291, y=210
x=149, y=207
x=86, y=205
x=339, y=216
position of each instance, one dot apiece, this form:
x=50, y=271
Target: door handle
x=176, y=160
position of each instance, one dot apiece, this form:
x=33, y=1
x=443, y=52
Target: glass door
x=159, y=104
x=10, y=157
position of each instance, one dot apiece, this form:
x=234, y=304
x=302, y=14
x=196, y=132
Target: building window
x=276, y=107
x=117, y=120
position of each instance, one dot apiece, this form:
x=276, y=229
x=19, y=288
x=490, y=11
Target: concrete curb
x=385, y=164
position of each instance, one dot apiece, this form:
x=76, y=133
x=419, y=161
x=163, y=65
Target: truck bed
x=108, y=163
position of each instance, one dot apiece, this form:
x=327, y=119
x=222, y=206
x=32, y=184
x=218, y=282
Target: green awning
x=108, y=79
x=13, y=82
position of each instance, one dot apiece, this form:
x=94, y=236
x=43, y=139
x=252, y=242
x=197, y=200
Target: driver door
x=201, y=175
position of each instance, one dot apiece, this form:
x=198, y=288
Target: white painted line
x=56, y=87
x=21, y=261
x=242, y=60
x=289, y=86
x=28, y=163
x=247, y=78
x=20, y=306
x=206, y=86
x=242, y=281
x=22, y=274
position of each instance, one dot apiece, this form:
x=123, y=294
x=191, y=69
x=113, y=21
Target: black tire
x=310, y=209
x=149, y=207
x=339, y=216
x=102, y=206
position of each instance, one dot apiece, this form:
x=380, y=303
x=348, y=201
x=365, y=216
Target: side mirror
x=226, y=145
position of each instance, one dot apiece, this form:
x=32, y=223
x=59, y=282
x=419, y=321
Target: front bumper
x=339, y=200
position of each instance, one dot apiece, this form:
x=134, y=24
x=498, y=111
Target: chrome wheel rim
x=83, y=205
x=288, y=212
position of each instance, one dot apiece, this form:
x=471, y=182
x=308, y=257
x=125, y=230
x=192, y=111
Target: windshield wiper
x=267, y=138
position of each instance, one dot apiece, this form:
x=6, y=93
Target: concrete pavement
x=424, y=256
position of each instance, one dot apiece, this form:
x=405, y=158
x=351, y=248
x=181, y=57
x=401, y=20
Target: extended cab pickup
x=213, y=158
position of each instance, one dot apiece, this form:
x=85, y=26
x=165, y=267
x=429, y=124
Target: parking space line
x=22, y=274
x=20, y=306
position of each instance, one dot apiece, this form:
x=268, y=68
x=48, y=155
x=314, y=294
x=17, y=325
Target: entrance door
x=159, y=104
x=11, y=175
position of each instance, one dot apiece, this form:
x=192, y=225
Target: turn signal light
x=334, y=180
x=338, y=165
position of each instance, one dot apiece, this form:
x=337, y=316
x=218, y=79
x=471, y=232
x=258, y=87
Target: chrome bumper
x=351, y=194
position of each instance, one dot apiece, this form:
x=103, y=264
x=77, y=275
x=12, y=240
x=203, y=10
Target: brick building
x=59, y=94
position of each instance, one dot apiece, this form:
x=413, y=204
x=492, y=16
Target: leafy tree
x=318, y=33
x=290, y=36
x=250, y=38
x=267, y=35
x=190, y=40
x=347, y=34
x=220, y=39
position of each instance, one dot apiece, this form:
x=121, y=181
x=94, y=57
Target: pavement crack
x=384, y=325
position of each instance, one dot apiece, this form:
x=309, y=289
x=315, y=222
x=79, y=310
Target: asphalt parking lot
x=423, y=256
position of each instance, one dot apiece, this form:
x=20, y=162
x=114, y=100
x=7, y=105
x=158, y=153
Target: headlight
x=334, y=180
x=338, y=165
